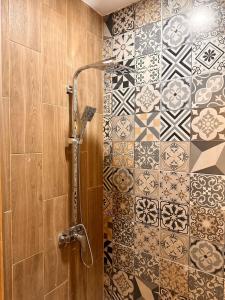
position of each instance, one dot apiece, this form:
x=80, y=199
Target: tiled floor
x=164, y=153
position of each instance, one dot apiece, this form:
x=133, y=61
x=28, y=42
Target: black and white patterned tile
x=123, y=128
x=147, y=69
x=175, y=125
x=148, y=39
x=123, y=102
x=170, y=8
x=147, y=127
x=125, y=79
x=123, y=231
x=148, y=98
x=176, y=31
x=123, y=46
x=146, y=155
x=123, y=20
x=176, y=62
x=147, y=183
x=147, y=11
x=208, y=90
x=176, y=94
x=107, y=128
x=147, y=211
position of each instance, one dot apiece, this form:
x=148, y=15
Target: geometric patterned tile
x=107, y=48
x=147, y=98
x=146, y=183
x=207, y=257
x=175, y=156
x=107, y=104
x=123, y=180
x=208, y=124
x=146, y=267
x=123, y=154
x=147, y=211
x=174, y=246
x=145, y=289
x=204, y=286
x=123, y=286
x=175, y=125
x=146, y=239
x=147, y=127
x=123, y=128
x=108, y=178
x=207, y=190
x=170, y=8
x=208, y=56
x=147, y=69
x=175, y=187
x=207, y=224
x=107, y=129
x=146, y=155
x=176, y=31
x=176, y=62
x=123, y=258
x=174, y=277
x=176, y=94
x=123, y=20
x=107, y=252
x=123, y=205
x=123, y=102
x=208, y=90
x=107, y=83
x=148, y=39
x=123, y=46
x=123, y=231
x=208, y=157
x=171, y=295
x=107, y=204
x=124, y=80
x=147, y=11
x=107, y=153
x=174, y=217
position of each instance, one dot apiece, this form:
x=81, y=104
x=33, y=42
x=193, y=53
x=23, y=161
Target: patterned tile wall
x=164, y=152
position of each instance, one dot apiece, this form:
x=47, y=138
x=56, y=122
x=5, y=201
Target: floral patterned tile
x=207, y=224
x=147, y=11
x=147, y=183
x=147, y=69
x=147, y=126
x=123, y=46
x=208, y=90
x=174, y=217
x=123, y=231
x=208, y=124
x=176, y=94
x=123, y=154
x=123, y=102
x=146, y=155
x=107, y=48
x=108, y=202
x=107, y=152
x=176, y=31
x=207, y=257
x=174, y=246
x=123, y=128
x=170, y=8
x=107, y=104
x=175, y=156
x=123, y=205
x=107, y=128
x=148, y=39
x=123, y=180
x=204, y=286
x=175, y=187
x=175, y=125
x=148, y=98
x=207, y=157
x=166, y=294
x=123, y=287
x=146, y=239
x=123, y=20
x=107, y=83
x=208, y=190
x=208, y=56
x=174, y=277
x=146, y=267
x=147, y=211
x=123, y=258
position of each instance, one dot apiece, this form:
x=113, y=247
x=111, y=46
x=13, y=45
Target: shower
x=78, y=124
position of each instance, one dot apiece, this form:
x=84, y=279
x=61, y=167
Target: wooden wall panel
x=59, y=293
x=28, y=279
x=25, y=100
x=57, y=5
x=25, y=23
x=26, y=193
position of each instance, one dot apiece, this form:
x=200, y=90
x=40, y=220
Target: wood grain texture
x=60, y=293
x=1, y=245
x=26, y=193
x=5, y=154
x=25, y=100
x=28, y=279
x=25, y=23
x=58, y=5
x=54, y=78
x=55, y=259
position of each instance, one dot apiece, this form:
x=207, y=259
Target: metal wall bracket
x=71, y=235
x=69, y=89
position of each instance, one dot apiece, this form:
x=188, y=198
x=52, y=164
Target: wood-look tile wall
x=42, y=43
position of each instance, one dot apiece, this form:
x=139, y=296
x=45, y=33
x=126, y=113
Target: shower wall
x=164, y=152
x=42, y=43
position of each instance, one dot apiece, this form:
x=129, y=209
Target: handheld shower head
x=88, y=114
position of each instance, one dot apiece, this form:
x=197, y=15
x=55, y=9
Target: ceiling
x=105, y=7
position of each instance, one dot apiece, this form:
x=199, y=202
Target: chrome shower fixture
x=87, y=116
